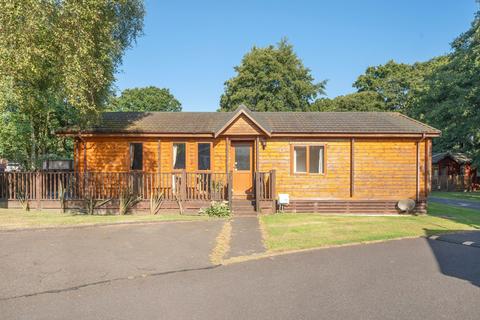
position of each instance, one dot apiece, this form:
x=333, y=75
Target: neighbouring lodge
x=347, y=162
x=454, y=171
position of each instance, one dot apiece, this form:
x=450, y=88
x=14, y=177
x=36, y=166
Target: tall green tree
x=450, y=97
x=396, y=82
x=271, y=79
x=57, y=62
x=358, y=101
x=145, y=99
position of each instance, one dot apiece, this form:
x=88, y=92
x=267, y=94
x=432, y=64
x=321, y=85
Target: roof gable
x=245, y=118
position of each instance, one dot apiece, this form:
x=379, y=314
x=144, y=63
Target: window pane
x=136, y=156
x=300, y=159
x=179, y=156
x=204, y=156
x=316, y=159
x=242, y=157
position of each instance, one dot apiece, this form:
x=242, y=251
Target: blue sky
x=192, y=46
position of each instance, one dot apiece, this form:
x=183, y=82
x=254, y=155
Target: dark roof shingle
x=271, y=122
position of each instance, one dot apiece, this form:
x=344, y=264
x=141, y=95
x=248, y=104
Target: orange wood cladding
x=383, y=168
x=113, y=154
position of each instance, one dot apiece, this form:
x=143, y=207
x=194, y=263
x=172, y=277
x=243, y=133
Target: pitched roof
x=269, y=122
x=458, y=157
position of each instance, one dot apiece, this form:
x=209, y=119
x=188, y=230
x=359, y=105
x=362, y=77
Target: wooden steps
x=243, y=207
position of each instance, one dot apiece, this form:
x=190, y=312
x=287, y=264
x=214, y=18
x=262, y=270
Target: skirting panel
x=350, y=207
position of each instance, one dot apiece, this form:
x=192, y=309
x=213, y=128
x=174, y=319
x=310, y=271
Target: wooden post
x=273, y=190
x=352, y=167
x=427, y=168
x=84, y=156
x=184, y=184
x=38, y=189
x=417, y=173
x=227, y=155
x=229, y=189
x=159, y=156
x=257, y=154
x=257, y=190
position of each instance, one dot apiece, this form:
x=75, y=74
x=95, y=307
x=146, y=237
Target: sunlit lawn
x=471, y=196
x=299, y=231
x=16, y=218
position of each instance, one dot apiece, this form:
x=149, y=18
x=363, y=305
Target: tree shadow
x=453, y=258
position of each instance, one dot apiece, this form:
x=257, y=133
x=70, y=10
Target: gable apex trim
x=242, y=110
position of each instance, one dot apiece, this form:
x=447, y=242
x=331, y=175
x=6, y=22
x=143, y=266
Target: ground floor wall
x=355, y=169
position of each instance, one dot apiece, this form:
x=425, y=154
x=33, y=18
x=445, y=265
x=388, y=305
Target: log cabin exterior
x=347, y=162
x=454, y=171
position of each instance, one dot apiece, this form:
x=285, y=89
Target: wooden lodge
x=329, y=162
x=453, y=171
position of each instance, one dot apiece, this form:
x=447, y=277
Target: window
x=308, y=159
x=179, y=156
x=316, y=159
x=136, y=156
x=242, y=157
x=300, y=159
x=203, y=161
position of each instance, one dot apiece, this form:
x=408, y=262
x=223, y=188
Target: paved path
x=56, y=259
x=246, y=237
x=406, y=279
x=456, y=202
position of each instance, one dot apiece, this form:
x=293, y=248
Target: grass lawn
x=285, y=232
x=471, y=196
x=16, y=218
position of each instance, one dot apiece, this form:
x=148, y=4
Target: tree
x=393, y=81
x=271, y=79
x=450, y=97
x=145, y=99
x=358, y=101
x=59, y=58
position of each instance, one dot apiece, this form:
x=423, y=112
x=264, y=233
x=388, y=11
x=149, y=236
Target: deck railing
x=110, y=185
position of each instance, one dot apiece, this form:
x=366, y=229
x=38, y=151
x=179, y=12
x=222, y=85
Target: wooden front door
x=242, y=168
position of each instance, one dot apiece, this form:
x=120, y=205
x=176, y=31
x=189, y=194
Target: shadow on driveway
x=455, y=263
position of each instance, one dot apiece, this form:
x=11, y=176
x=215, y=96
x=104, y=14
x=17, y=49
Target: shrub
x=128, y=199
x=217, y=209
x=156, y=201
x=90, y=204
x=22, y=197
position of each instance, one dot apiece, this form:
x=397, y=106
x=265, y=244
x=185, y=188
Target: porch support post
x=84, y=156
x=273, y=182
x=159, y=159
x=417, y=173
x=427, y=167
x=257, y=154
x=256, y=175
x=227, y=154
x=229, y=189
x=352, y=167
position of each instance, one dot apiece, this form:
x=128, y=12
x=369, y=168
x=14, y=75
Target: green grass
x=15, y=218
x=285, y=232
x=471, y=196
